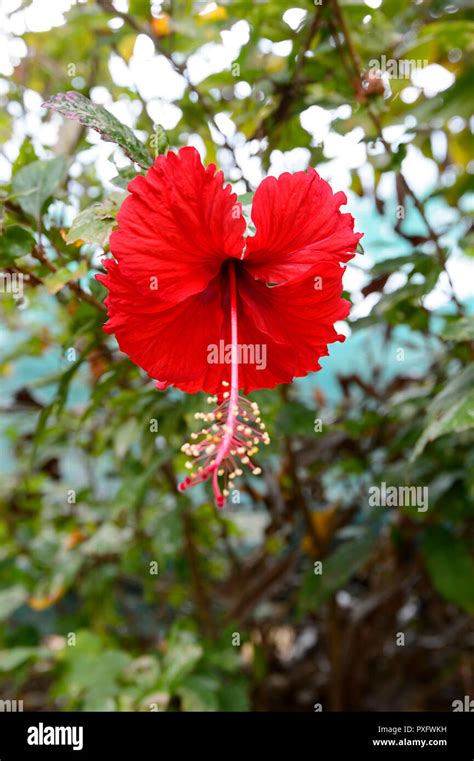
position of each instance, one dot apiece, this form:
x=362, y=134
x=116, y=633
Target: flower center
x=235, y=429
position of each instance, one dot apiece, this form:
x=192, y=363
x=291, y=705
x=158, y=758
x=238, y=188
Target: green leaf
x=15, y=242
x=295, y=419
x=34, y=183
x=55, y=281
x=337, y=570
x=11, y=599
x=25, y=156
x=160, y=140
x=77, y=107
x=245, y=199
x=125, y=436
x=452, y=411
x=199, y=693
x=416, y=261
x=125, y=175
x=460, y=330
x=140, y=8
x=17, y=656
x=53, y=586
x=94, y=224
x=450, y=566
x=234, y=696
x=144, y=671
x=92, y=656
x=108, y=539
x=181, y=657
x=62, y=392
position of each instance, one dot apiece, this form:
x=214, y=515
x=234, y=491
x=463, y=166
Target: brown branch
x=353, y=54
x=39, y=254
x=312, y=32
x=180, y=69
x=261, y=587
x=202, y=600
x=291, y=91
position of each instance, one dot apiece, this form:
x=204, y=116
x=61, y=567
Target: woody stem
x=231, y=420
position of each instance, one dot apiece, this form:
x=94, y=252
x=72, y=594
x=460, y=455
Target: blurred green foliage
x=118, y=593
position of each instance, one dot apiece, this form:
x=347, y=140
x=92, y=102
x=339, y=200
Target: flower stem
x=231, y=421
x=232, y=431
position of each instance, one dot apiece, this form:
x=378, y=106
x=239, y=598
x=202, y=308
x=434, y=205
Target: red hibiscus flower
x=198, y=304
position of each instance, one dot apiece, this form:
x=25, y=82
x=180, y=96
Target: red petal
x=177, y=227
x=282, y=331
x=169, y=341
x=294, y=322
x=298, y=224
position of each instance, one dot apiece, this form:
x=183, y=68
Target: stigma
x=231, y=436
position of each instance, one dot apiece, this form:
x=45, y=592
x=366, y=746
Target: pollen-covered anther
x=232, y=439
